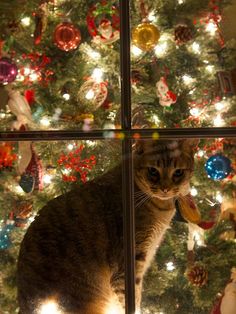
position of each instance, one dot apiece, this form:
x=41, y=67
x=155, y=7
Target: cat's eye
x=178, y=173
x=153, y=174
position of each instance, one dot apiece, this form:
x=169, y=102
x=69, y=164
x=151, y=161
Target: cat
x=72, y=253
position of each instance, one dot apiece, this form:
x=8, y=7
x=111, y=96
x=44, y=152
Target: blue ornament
x=5, y=242
x=218, y=167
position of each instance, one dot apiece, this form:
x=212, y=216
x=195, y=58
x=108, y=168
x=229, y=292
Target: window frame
x=128, y=137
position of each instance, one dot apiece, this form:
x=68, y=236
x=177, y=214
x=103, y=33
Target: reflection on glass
x=182, y=64
x=190, y=199
x=64, y=199
x=57, y=74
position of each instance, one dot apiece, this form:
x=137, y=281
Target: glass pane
x=185, y=209
x=64, y=198
x=183, y=64
x=59, y=65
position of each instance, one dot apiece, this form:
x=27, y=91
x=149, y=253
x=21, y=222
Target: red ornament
x=30, y=96
x=66, y=36
x=103, y=23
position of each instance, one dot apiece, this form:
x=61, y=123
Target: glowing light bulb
x=90, y=94
x=70, y=146
x=170, y=266
x=45, y=121
x=211, y=28
x=218, y=121
x=152, y=17
x=136, y=51
x=188, y=80
x=94, y=54
x=97, y=74
x=25, y=21
x=50, y=307
x=219, y=197
x=19, y=190
x=196, y=47
x=66, y=96
x=160, y=49
x=200, y=153
x=210, y=68
x=193, y=191
x=47, y=179
x=219, y=106
x=33, y=76
x=27, y=71
x=180, y=1
x=194, y=112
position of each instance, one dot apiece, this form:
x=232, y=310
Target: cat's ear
x=138, y=147
x=190, y=144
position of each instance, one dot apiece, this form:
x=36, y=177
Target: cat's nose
x=165, y=190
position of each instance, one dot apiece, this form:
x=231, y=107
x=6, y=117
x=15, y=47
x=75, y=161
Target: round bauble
x=218, y=167
x=145, y=36
x=66, y=36
x=8, y=70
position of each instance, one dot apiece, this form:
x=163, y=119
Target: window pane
x=64, y=198
x=183, y=64
x=185, y=209
x=60, y=65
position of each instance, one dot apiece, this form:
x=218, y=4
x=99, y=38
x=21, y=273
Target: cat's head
x=163, y=168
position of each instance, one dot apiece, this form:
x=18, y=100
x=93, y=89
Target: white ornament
x=166, y=97
x=97, y=92
x=20, y=108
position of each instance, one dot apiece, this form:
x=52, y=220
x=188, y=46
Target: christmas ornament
x=21, y=213
x=227, y=303
x=7, y=157
x=5, y=231
x=74, y=163
x=103, y=23
x=145, y=36
x=197, y=275
x=8, y=70
x=188, y=209
x=94, y=92
x=19, y=106
x=183, y=34
x=166, y=97
x=218, y=167
x=30, y=168
x=226, y=83
x=40, y=22
x=30, y=96
x=66, y=36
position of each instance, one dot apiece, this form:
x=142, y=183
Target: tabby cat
x=72, y=253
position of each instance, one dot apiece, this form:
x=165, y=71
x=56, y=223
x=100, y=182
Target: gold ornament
x=145, y=36
x=188, y=209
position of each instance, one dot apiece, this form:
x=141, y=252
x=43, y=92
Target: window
x=82, y=82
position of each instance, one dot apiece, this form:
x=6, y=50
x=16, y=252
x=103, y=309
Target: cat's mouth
x=163, y=197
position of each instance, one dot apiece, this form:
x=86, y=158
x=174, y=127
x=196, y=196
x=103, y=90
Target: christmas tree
x=60, y=70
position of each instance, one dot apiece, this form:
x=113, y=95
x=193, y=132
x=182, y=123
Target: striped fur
x=73, y=252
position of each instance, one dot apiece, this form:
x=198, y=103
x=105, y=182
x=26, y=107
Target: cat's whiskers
x=142, y=199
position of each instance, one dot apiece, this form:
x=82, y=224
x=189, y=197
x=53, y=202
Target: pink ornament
x=8, y=70
x=166, y=97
